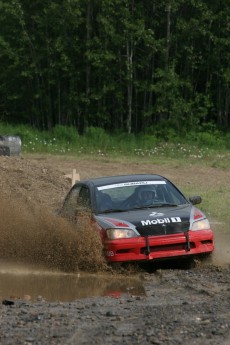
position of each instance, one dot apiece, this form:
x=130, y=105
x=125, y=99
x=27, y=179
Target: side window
x=84, y=197
x=78, y=198
x=71, y=203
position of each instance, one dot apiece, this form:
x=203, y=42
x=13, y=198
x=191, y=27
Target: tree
x=123, y=65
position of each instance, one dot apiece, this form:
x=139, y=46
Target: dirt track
x=180, y=306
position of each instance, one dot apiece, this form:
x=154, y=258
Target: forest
x=124, y=65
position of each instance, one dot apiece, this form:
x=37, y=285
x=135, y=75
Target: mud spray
x=33, y=235
x=221, y=254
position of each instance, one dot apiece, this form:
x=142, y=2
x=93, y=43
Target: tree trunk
x=88, y=68
x=168, y=10
x=130, y=85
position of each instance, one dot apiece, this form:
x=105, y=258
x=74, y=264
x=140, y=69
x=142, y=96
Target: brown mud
x=50, y=270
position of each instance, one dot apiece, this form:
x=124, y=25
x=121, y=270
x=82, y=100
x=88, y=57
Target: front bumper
x=159, y=247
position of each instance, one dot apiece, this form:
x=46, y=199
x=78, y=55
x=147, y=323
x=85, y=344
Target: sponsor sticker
x=127, y=184
x=160, y=221
x=156, y=214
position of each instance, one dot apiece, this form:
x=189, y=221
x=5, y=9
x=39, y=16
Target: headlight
x=114, y=234
x=201, y=225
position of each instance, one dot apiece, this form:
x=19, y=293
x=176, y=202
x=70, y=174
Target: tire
x=205, y=259
x=10, y=145
x=4, y=151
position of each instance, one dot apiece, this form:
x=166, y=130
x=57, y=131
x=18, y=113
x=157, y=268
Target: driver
x=146, y=195
x=142, y=196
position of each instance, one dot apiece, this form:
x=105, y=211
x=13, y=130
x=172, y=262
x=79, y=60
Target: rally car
x=141, y=217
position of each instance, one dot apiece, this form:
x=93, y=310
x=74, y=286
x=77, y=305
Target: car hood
x=153, y=221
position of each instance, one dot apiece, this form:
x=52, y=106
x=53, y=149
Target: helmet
x=146, y=192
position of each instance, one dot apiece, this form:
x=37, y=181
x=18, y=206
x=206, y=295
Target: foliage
x=123, y=66
x=25, y=132
x=66, y=134
x=208, y=136
x=213, y=140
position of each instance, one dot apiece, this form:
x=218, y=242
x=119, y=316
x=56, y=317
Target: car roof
x=123, y=178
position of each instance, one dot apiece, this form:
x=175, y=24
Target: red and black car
x=142, y=217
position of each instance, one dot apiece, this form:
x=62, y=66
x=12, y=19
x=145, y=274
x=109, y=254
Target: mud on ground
x=179, y=306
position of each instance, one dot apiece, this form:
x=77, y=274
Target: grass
x=215, y=202
x=213, y=151
x=159, y=152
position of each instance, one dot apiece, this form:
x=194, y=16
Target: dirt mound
x=32, y=182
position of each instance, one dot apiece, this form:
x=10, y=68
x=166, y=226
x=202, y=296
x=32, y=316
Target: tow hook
x=187, y=241
x=147, y=246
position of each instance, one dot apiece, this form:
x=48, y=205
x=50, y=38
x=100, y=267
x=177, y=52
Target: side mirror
x=195, y=199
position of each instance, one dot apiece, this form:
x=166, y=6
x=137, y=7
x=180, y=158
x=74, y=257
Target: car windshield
x=136, y=195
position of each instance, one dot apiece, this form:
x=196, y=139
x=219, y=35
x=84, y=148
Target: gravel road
x=180, y=306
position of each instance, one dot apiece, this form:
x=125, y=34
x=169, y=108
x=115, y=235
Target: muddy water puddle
x=18, y=282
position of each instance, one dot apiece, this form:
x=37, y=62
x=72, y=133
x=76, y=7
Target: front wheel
x=204, y=258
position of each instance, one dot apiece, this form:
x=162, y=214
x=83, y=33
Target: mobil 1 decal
x=161, y=221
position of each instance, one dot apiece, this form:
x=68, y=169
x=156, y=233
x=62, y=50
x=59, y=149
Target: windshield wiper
x=151, y=206
x=138, y=208
x=165, y=204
